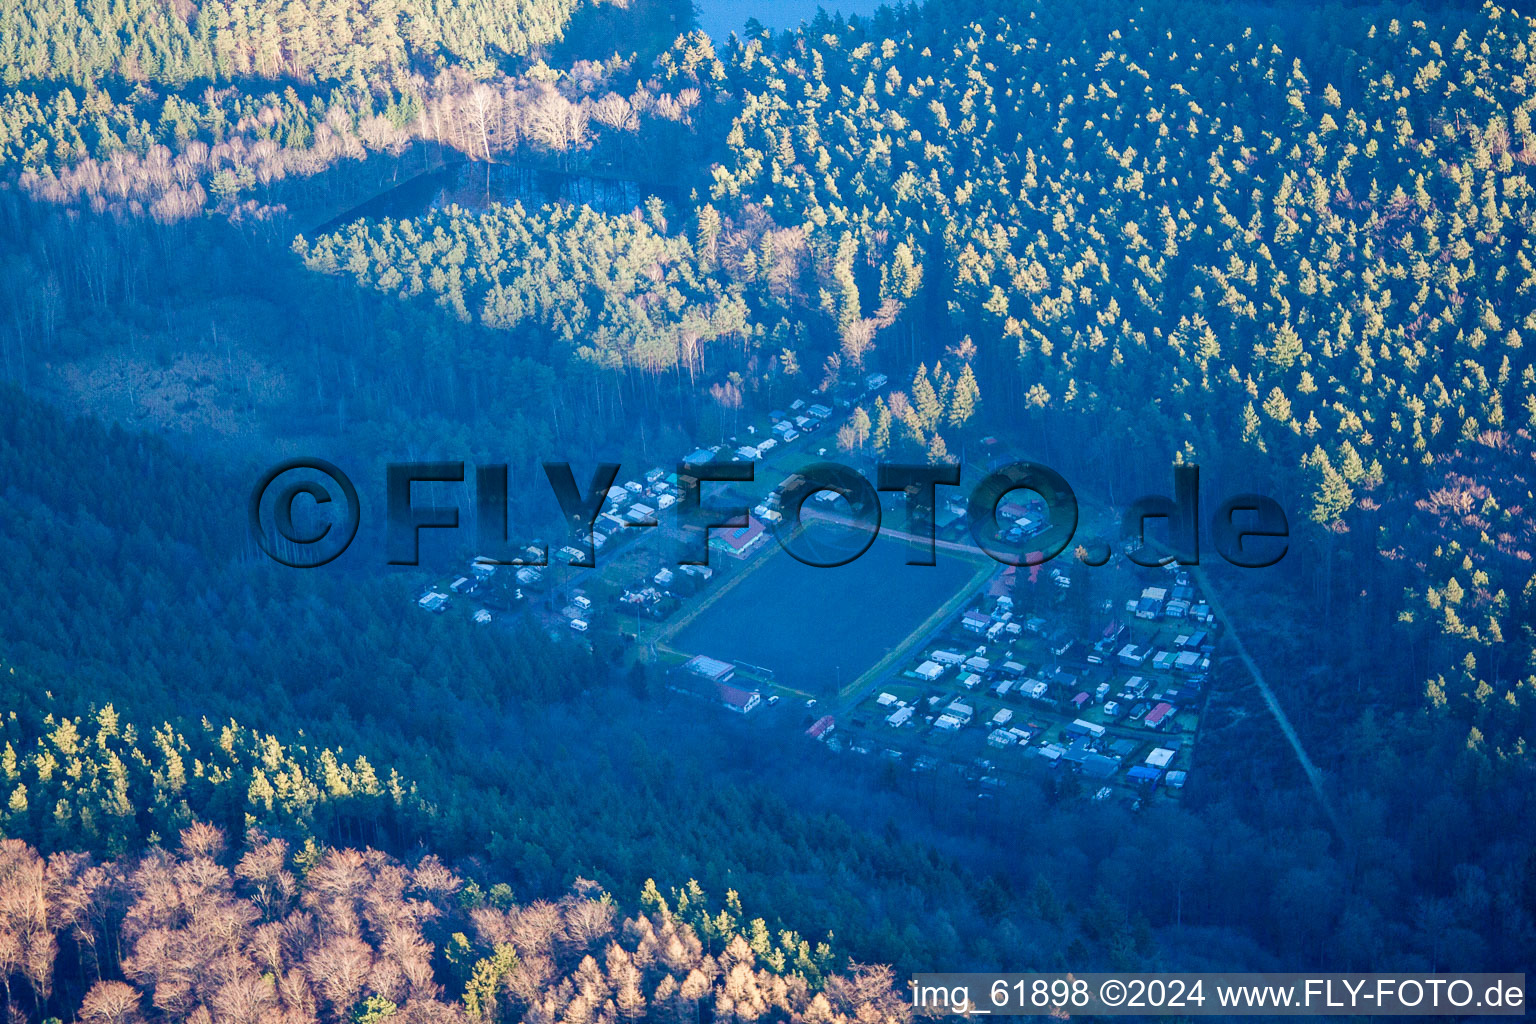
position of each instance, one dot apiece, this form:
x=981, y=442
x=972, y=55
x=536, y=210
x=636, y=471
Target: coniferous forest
x=1296, y=247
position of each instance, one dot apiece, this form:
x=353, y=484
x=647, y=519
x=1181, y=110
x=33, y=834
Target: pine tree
x=905, y=276
x=925, y=401
x=1332, y=496
x=1252, y=427
x=789, y=363
x=1277, y=406
x=1351, y=467
x=861, y=426
x=881, y=439
x=1286, y=348
x=707, y=234
x=962, y=405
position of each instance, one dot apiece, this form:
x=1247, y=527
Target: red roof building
x=1156, y=715
x=739, y=542
x=822, y=726
x=737, y=699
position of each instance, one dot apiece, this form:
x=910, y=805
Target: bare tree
x=483, y=110
x=339, y=969
x=614, y=111
x=110, y=1002
x=26, y=942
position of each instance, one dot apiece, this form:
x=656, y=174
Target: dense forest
x=196, y=931
x=1295, y=247
x=184, y=43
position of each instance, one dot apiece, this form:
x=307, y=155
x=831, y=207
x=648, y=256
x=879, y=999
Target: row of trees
x=614, y=290
x=910, y=424
x=353, y=41
x=264, y=153
x=200, y=933
x=101, y=784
